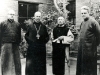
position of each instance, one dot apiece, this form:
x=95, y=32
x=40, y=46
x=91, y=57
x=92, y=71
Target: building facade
x=93, y=4
x=23, y=8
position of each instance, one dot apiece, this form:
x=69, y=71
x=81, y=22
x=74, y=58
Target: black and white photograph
x=50, y=37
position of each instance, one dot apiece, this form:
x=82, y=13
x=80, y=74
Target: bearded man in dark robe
x=62, y=37
x=10, y=38
x=89, y=40
x=36, y=37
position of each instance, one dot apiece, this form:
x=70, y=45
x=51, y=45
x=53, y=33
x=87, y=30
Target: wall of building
x=79, y=4
x=6, y=5
x=34, y=1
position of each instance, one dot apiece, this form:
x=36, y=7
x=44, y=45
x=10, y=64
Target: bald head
x=61, y=20
x=11, y=14
x=37, y=13
x=37, y=16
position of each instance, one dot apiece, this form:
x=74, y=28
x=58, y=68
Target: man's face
x=84, y=14
x=11, y=15
x=37, y=17
x=60, y=20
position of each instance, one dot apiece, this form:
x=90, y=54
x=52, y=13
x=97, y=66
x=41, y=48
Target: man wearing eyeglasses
x=10, y=37
x=89, y=40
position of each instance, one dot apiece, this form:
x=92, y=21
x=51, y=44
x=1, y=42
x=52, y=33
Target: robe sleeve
x=19, y=32
x=0, y=34
x=69, y=38
x=46, y=39
x=97, y=32
x=27, y=35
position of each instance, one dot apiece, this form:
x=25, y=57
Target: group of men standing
x=37, y=37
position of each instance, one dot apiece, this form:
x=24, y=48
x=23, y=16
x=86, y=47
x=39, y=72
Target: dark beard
x=37, y=21
x=86, y=19
x=11, y=20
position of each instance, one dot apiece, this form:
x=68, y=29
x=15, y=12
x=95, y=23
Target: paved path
x=49, y=67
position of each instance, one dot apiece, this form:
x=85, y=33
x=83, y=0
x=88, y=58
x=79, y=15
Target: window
x=26, y=11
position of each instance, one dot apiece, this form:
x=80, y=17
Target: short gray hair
x=85, y=8
x=61, y=17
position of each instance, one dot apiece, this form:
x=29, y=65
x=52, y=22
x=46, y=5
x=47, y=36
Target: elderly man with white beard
x=62, y=37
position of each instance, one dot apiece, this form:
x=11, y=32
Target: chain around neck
x=37, y=30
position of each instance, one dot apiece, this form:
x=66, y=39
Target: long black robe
x=87, y=51
x=58, y=58
x=36, y=53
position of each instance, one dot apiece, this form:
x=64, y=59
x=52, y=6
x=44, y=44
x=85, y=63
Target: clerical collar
x=36, y=22
x=61, y=25
x=86, y=19
x=11, y=20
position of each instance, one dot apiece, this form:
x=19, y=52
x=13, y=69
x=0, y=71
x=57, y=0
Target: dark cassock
x=10, y=37
x=87, y=51
x=37, y=37
x=98, y=20
x=58, y=53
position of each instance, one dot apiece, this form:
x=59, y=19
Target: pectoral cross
x=38, y=36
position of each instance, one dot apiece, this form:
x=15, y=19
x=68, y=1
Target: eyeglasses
x=11, y=14
x=83, y=13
